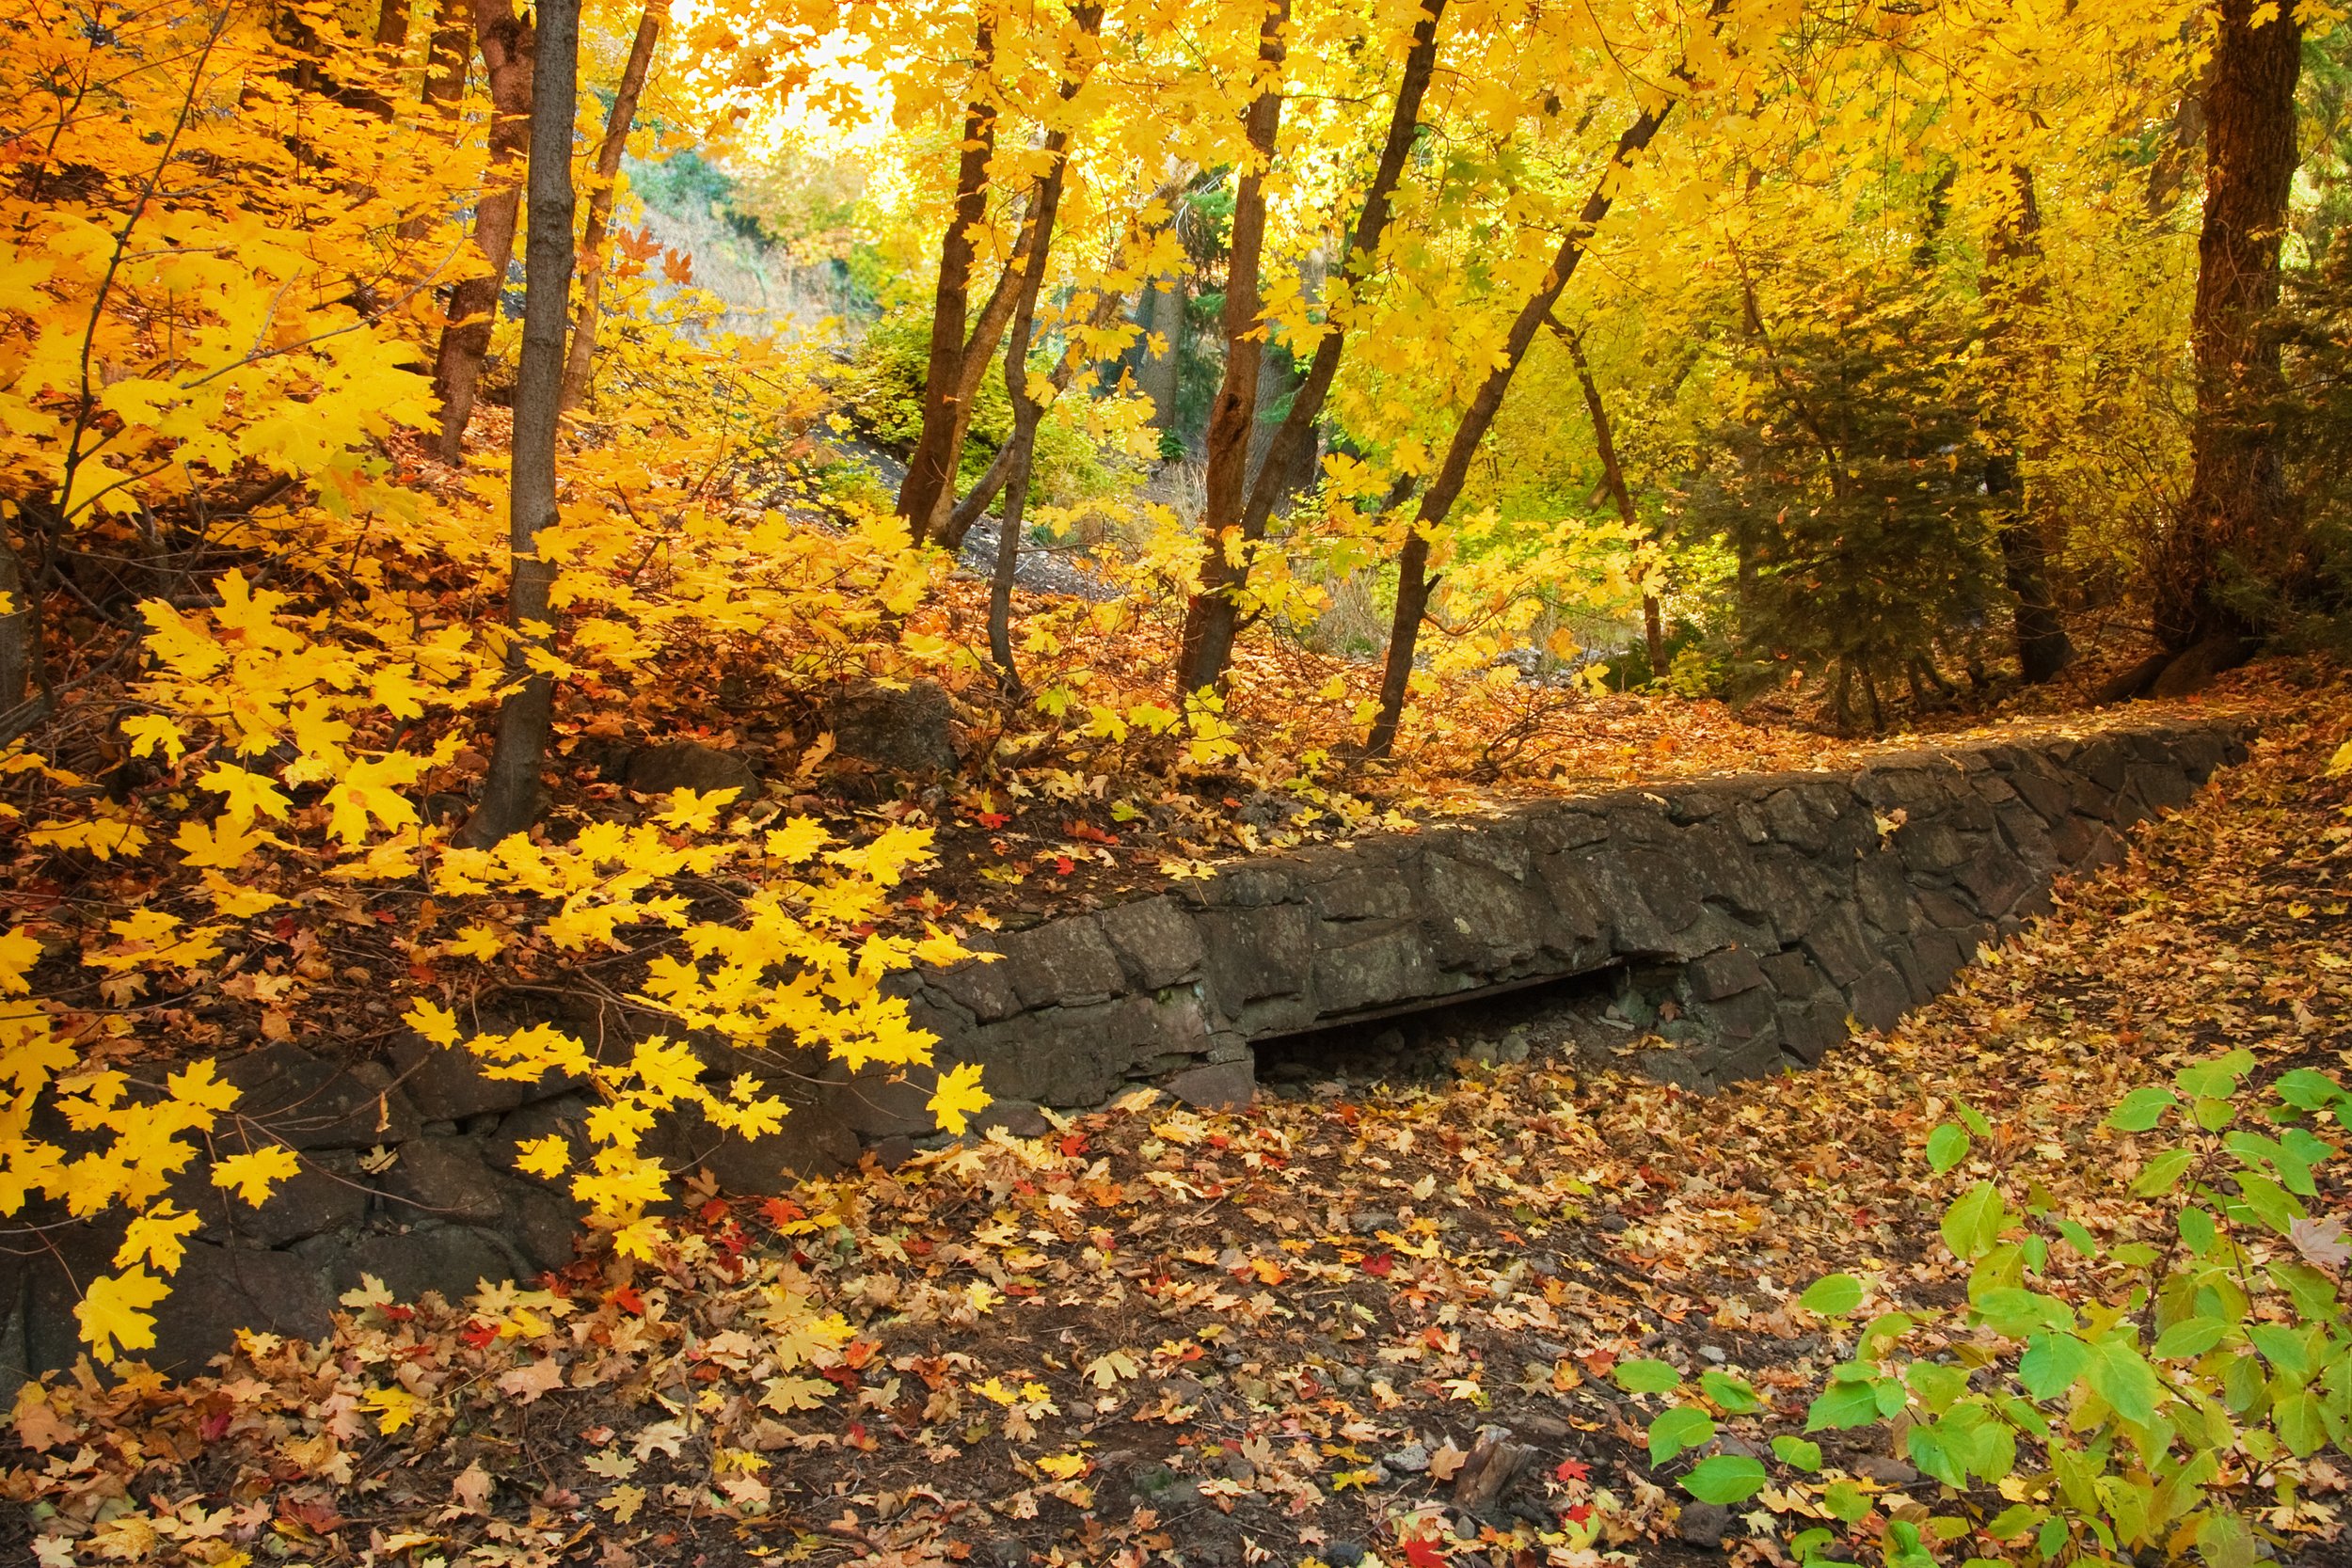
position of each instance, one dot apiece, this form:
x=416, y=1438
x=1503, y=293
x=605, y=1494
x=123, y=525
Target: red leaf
x=1379, y=1267
x=478, y=1334
x=992, y=820
x=1580, y=1512
x=1064, y=865
x=1073, y=1144
x=1573, y=1469
x=1422, y=1551
x=782, y=1211
x=627, y=1300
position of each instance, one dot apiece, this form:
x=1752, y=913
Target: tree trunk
x=1412, y=590
x=1612, y=476
x=507, y=46
x=446, y=56
x=2043, y=648
x=1156, y=375
x=1235, y=410
x=1211, y=617
x=974, y=506
x=582, y=357
x=510, y=794
x=20, y=636
x=930, y=469
x=1026, y=410
x=2237, y=516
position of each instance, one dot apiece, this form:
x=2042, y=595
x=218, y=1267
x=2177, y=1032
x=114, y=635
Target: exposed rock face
x=904, y=730
x=1746, y=919
x=690, y=765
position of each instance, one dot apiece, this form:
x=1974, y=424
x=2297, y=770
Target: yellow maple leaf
x=477, y=940
x=696, y=812
x=159, y=1237
x=959, y=1096
x=395, y=1409
x=549, y=1157
x=223, y=846
x=368, y=790
x=798, y=839
x=249, y=794
x=253, y=1176
x=19, y=952
x=1064, y=1466
x=433, y=1020
x=237, y=902
x=113, y=1312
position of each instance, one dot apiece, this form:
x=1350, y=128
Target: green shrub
x=2130, y=1422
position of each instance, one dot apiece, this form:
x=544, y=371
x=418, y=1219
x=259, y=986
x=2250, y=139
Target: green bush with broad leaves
x=2136, y=1401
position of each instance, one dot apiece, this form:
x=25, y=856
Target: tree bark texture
x=507, y=44
x=1413, y=585
x=581, y=359
x=510, y=794
x=1212, y=616
x=2237, y=516
x=1235, y=410
x=1044, y=204
x=2042, y=646
x=1613, y=478
x=930, y=469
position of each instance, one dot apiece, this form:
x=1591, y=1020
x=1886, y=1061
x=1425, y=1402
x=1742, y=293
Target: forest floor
x=1271, y=1336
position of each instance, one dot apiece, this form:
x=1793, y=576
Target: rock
x=443, y=1179
x=1062, y=963
x=1703, y=1524
x=455, y=1260
x=1219, y=1087
x=1344, y=1553
x=448, y=1083
x=221, y=1290
x=1410, y=1460
x=906, y=730
x=1718, y=976
x=1886, y=1472
x=308, y=1102
x=691, y=765
x=1154, y=940
x=313, y=1201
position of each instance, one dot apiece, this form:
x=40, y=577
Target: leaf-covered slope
x=1281, y=1332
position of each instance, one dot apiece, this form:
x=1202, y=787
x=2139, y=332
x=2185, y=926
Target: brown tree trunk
x=1413, y=587
x=582, y=357
x=2043, y=648
x=1612, y=477
x=1236, y=409
x=1162, y=315
x=506, y=43
x=974, y=505
x=1212, y=618
x=20, y=638
x=2237, y=516
x=1043, y=206
x=446, y=54
x=930, y=469
x=511, y=793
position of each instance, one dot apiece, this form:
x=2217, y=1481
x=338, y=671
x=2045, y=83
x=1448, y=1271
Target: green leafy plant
x=2092, y=1401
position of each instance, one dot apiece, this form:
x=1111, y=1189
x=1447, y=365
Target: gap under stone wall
x=1740, y=920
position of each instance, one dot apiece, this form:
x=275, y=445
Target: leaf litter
x=1410, y=1324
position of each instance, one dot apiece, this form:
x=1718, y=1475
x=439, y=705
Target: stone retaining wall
x=1768, y=908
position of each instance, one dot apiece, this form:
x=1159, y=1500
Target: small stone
x=1008, y=1553
x=1704, y=1524
x=1410, y=1460
x=1886, y=1472
x=1712, y=1353
x=1240, y=1469
x=1372, y=1221
x=688, y=765
x=1344, y=1553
